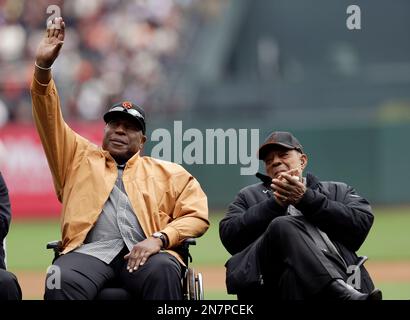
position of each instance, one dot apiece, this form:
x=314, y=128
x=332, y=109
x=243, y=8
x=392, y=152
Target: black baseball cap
x=128, y=109
x=279, y=138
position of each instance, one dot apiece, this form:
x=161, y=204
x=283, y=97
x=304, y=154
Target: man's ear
x=303, y=161
x=143, y=140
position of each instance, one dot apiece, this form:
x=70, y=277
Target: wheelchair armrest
x=188, y=242
x=183, y=249
x=53, y=244
x=362, y=260
x=56, y=246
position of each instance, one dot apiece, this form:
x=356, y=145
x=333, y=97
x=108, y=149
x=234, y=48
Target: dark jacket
x=333, y=207
x=5, y=218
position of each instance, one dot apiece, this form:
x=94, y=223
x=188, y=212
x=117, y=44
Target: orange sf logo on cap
x=127, y=105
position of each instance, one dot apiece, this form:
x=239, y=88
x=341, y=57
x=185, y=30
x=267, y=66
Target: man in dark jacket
x=9, y=287
x=293, y=236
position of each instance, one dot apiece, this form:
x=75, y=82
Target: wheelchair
x=192, y=282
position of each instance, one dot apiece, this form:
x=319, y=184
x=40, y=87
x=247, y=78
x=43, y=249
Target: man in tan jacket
x=123, y=214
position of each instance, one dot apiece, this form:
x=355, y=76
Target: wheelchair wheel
x=191, y=284
x=199, y=287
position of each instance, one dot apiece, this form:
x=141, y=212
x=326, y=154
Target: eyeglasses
x=132, y=112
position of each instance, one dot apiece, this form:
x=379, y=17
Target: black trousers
x=293, y=266
x=77, y=276
x=9, y=286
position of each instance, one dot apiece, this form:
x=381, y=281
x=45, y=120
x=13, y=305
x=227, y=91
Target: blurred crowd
x=114, y=50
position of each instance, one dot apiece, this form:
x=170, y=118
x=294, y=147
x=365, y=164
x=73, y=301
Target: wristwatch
x=163, y=238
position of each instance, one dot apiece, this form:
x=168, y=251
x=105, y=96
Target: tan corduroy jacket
x=164, y=196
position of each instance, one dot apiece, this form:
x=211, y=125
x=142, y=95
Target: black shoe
x=376, y=294
x=340, y=290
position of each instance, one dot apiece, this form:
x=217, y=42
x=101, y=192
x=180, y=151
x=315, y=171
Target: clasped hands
x=288, y=188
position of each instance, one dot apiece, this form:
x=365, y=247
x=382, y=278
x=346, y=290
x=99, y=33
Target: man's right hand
x=51, y=43
x=48, y=50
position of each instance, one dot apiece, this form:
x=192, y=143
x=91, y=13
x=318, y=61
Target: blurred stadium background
x=266, y=64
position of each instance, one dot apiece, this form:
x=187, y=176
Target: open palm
x=51, y=43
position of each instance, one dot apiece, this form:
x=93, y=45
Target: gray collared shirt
x=116, y=226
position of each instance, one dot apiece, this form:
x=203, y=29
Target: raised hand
x=51, y=44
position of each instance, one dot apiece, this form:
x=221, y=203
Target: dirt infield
x=32, y=283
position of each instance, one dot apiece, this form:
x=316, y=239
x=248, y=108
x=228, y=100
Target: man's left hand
x=141, y=252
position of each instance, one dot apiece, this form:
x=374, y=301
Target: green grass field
x=389, y=240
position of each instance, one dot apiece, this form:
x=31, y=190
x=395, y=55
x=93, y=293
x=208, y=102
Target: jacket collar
x=133, y=159
x=264, y=178
x=312, y=182
x=130, y=161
